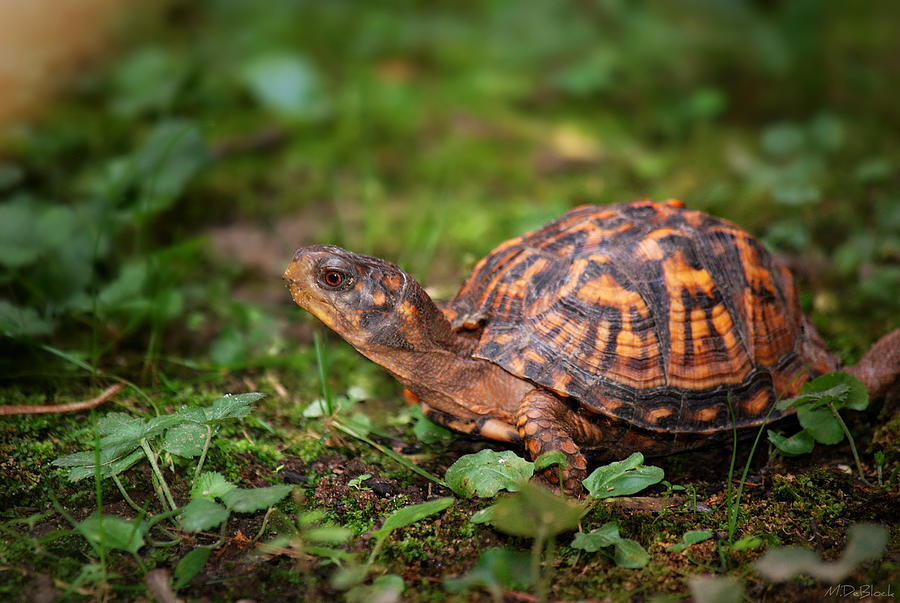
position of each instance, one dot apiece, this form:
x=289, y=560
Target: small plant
x=124, y=440
x=357, y=481
x=689, y=538
x=622, y=478
x=671, y=488
x=627, y=553
x=487, y=472
x=352, y=576
x=818, y=406
x=534, y=512
x=865, y=542
x=203, y=512
x=879, y=466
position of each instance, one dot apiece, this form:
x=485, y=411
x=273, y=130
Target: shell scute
x=649, y=313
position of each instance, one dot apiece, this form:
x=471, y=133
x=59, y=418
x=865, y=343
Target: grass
x=146, y=217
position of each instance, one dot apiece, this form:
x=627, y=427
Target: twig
x=28, y=409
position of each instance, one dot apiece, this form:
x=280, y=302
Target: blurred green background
x=147, y=215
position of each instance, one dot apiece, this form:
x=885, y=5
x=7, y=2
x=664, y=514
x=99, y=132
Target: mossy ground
x=148, y=215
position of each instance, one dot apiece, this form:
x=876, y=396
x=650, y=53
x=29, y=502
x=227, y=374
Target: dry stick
x=28, y=409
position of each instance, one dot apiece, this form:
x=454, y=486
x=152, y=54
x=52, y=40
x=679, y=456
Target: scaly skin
x=386, y=315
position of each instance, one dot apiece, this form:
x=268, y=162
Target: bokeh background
x=170, y=156
x=161, y=160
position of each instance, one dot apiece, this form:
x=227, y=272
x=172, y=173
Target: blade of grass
x=389, y=453
x=83, y=365
x=732, y=517
x=321, y=361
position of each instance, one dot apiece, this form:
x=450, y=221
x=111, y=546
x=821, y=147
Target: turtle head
x=371, y=303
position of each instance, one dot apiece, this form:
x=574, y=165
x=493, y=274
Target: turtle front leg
x=546, y=423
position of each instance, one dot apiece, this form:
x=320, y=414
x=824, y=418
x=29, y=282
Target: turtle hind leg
x=879, y=368
x=545, y=423
x=484, y=427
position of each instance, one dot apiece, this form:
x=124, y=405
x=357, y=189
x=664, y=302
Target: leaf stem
x=124, y=494
x=536, y=550
x=389, y=453
x=732, y=506
x=151, y=457
x=98, y=492
x=209, y=435
x=849, y=439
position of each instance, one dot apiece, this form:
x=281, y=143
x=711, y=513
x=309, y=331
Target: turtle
x=641, y=326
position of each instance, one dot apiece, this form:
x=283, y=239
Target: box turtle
x=617, y=328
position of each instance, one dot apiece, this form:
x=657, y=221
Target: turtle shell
x=645, y=312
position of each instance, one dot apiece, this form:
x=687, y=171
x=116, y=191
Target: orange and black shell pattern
x=647, y=313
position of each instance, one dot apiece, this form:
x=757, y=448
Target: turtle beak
x=300, y=280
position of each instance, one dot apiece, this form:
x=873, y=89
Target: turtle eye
x=332, y=278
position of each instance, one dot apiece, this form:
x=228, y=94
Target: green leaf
x=113, y=532
x=123, y=429
x=865, y=542
x=536, y=512
x=211, y=485
x=309, y=518
x=689, y=538
x=357, y=481
x=856, y=398
x=172, y=155
x=202, y=514
x=254, y=499
x=115, y=466
x=232, y=406
x=328, y=534
x=189, y=566
x=384, y=589
x=121, y=423
x=783, y=139
x=186, y=440
x=19, y=246
x=821, y=424
x=630, y=554
x=747, y=543
x=360, y=423
x=349, y=576
x=487, y=472
x=709, y=589
x=799, y=443
x=17, y=321
x=285, y=83
x=495, y=570
x=319, y=407
x=595, y=540
x=411, y=514
x=627, y=553
x=336, y=556
x=485, y=515
x=146, y=79
x=622, y=478
x=838, y=388
x=554, y=457
x=126, y=289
